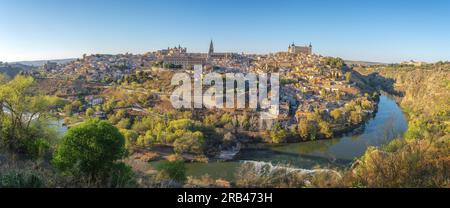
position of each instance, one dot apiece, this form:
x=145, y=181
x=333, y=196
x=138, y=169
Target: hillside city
x=247, y=98
x=321, y=98
x=126, y=89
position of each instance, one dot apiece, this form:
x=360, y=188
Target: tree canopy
x=22, y=110
x=90, y=150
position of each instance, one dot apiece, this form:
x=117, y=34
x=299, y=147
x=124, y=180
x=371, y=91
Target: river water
x=388, y=123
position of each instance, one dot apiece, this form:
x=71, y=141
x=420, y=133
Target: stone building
x=185, y=61
x=293, y=49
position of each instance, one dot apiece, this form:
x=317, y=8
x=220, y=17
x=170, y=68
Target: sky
x=381, y=31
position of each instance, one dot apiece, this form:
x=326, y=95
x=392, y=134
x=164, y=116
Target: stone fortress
x=293, y=49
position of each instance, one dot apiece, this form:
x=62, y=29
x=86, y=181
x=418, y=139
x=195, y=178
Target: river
x=388, y=123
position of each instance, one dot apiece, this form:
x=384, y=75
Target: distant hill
x=363, y=63
x=12, y=69
x=40, y=63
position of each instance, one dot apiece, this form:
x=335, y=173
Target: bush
x=175, y=170
x=416, y=164
x=20, y=179
x=130, y=138
x=124, y=123
x=38, y=148
x=278, y=134
x=122, y=176
x=189, y=142
x=325, y=129
x=308, y=129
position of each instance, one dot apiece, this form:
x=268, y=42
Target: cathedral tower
x=211, y=48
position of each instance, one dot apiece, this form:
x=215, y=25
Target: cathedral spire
x=211, y=47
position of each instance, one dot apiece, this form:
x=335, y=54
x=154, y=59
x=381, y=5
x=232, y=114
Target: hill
x=40, y=63
x=11, y=70
x=362, y=63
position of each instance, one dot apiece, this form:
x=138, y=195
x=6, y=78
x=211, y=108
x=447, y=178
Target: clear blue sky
x=381, y=30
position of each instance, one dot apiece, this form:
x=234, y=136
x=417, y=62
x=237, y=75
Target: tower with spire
x=211, y=48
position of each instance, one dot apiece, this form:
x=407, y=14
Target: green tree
x=366, y=104
x=77, y=105
x=189, y=142
x=325, y=129
x=308, y=129
x=20, y=179
x=303, y=129
x=225, y=119
x=336, y=114
x=68, y=110
x=124, y=123
x=90, y=151
x=90, y=112
x=130, y=137
x=22, y=115
x=146, y=124
x=175, y=170
x=356, y=117
x=109, y=106
x=278, y=134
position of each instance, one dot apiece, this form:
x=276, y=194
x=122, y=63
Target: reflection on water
x=388, y=124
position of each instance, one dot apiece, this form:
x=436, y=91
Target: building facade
x=293, y=49
x=186, y=61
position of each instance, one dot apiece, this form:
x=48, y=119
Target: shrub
x=175, y=170
x=423, y=163
x=122, y=176
x=189, y=142
x=20, y=179
x=278, y=134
